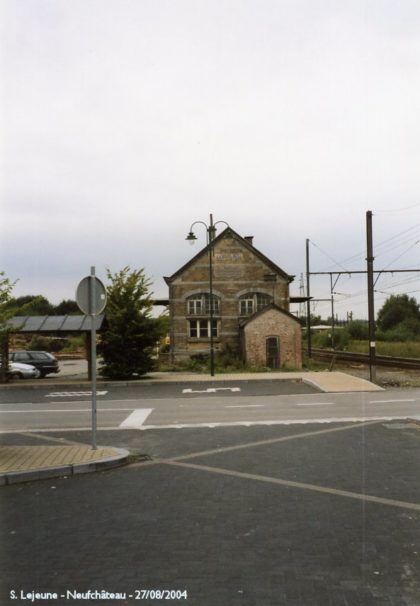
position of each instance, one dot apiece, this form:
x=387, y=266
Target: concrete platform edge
x=315, y=379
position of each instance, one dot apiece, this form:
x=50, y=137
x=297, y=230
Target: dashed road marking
x=392, y=401
x=246, y=406
x=315, y=404
x=65, y=394
x=211, y=390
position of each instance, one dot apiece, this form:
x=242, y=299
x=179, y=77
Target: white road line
x=137, y=418
x=282, y=422
x=299, y=485
x=315, y=404
x=247, y=406
x=66, y=394
x=212, y=425
x=392, y=401
x=211, y=390
x=61, y=429
x=20, y=404
x=49, y=410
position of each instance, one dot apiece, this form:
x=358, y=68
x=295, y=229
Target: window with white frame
x=200, y=329
x=253, y=302
x=199, y=305
x=246, y=307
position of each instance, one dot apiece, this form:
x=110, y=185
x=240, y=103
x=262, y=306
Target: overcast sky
x=123, y=121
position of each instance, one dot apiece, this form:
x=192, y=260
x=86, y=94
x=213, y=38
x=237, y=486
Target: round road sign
x=91, y=295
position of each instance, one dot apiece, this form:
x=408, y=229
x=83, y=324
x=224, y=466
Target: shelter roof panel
x=33, y=323
x=52, y=323
x=79, y=323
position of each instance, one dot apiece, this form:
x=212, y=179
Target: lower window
x=200, y=329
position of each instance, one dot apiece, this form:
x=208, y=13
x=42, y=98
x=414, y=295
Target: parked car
x=23, y=371
x=45, y=362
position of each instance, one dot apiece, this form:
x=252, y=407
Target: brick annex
x=251, y=301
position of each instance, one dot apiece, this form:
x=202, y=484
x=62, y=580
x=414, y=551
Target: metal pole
x=308, y=303
x=371, y=297
x=211, y=235
x=332, y=314
x=93, y=352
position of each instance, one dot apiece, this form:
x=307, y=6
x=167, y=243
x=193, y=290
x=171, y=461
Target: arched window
x=253, y=302
x=199, y=305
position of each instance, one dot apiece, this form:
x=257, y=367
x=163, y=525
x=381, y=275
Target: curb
x=16, y=477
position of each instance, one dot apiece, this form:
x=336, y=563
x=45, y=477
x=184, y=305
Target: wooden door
x=273, y=352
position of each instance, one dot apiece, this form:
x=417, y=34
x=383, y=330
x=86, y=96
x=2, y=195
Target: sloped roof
x=259, y=313
x=229, y=232
x=68, y=323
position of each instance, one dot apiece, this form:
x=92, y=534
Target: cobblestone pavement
x=314, y=515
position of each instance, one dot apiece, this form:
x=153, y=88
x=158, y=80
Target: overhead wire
x=397, y=210
x=407, y=236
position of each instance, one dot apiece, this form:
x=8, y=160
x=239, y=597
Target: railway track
x=348, y=356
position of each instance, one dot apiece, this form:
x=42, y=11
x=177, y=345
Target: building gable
x=272, y=337
x=208, y=308
x=232, y=253
x=269, y=308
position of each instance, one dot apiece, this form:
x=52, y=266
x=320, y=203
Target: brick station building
x=250, y=305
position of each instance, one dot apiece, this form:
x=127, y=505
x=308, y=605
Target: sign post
x=91, y=299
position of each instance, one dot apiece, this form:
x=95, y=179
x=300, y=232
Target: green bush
x=38, y=342
x=228, y=359
x=74, y=344
x=324, y=339
x=358, y=330
x=408, y=330
x=197, y=363
x=42, y=343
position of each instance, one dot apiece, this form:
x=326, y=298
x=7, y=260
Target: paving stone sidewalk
x=28, y=463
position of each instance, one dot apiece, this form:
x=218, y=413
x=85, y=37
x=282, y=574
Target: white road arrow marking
x=211, y=390
x=137, y=418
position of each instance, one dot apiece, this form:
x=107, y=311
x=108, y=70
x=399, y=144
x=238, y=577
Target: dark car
x=45, y=362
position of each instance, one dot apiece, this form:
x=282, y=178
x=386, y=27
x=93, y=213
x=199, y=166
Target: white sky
x=123, y=121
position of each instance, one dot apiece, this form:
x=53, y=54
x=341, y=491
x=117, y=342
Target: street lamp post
x=211, y=232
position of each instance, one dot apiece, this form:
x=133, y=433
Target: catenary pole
x=308, y=303
x=371, y=297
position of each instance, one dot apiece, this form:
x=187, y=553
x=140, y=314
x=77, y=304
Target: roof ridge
x=244, y=242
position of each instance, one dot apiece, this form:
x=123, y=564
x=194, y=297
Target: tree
x=396, y=310
x=130, y=332
x=66, y=307
x=30, y=305
x=6, y=288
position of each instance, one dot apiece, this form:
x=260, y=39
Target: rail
x=413, y=363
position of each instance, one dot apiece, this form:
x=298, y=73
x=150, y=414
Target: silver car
x=23, y=371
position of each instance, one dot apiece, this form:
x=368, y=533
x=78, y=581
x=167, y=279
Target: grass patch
x=408, y=349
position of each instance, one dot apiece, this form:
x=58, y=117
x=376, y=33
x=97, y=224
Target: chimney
x=249, y=239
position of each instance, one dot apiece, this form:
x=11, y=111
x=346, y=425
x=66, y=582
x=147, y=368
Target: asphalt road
x=197, y=405
x=314, y=515
x=22, y=392
x=256, y=497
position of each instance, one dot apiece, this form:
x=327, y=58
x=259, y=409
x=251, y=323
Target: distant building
x=250, y=305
